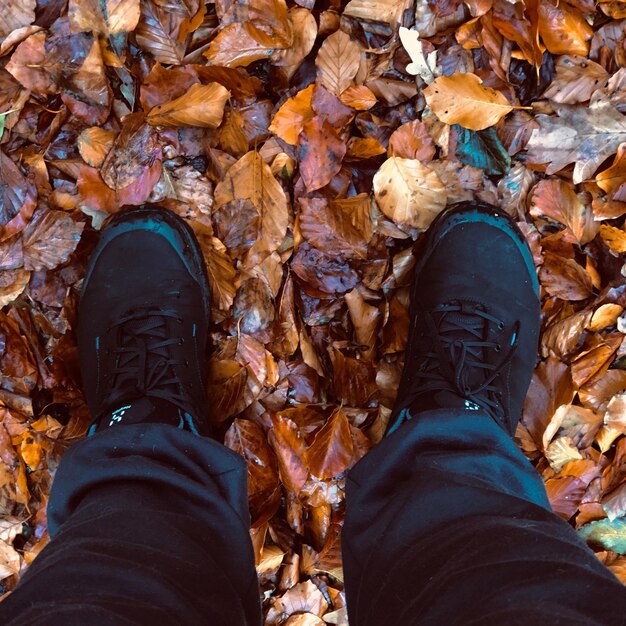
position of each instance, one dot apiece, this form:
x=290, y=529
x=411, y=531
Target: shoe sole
x=167, y=224
x=477, y=213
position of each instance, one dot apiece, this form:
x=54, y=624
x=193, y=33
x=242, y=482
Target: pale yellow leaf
x=409, y=193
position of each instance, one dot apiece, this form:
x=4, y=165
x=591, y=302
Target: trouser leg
x=448, y=523
x=149, y=525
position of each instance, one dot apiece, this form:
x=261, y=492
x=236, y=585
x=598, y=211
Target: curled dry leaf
x=158, y=32
x=565, y=278
x=613, y=179
x=563, y=29
x=201, y=105
x=463, y=99
x=615, y=238
x=338, y=62
x=221, y=273
x=304, y=34
x=408, y=192
x=358, y=97
x=17, y=198
x=354, y=380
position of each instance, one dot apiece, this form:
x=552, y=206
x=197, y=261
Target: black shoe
x=475, y=319
x=143, y=320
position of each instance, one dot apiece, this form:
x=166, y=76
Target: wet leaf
x=290, y=450
x=109, y=17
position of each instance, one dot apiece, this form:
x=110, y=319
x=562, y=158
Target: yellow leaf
x=358, y=97
x=235, y=47
x=409, y=193
x=338, y=62
x=293, y=115
x=201, y=105
x=615, y=238
x=463, y=99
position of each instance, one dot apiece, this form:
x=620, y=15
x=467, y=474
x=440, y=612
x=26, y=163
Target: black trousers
x=447, y=523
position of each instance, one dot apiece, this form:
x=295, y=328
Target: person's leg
x=447, y=522
x=148, y=517
x=149, y=525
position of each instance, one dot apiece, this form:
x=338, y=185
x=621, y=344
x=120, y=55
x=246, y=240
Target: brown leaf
x=577, y=78
x=27, y=65
x=14, y=15
x=109, y=17
x=50, y=239
x=463, y=99
x=354, y=380
x=304, y=29
x=557, y=200
x=227, y=382
x=328, y=227
x=358, y=97
x=234, y=47
x=221, y=274
x=564, y=278
x=290, y=450
x=286, y=327
x=338, y=62
x=247, y=439
x=201, y=105
x=550, y=387
x=365, y=318
x=412, y=141
x=598, y=392
x=269, y=23
x=596, y=360
x=17, y=198
x=321, y=153
x=613, y=179
x=250, y=178
x=158, y=32
x=321, y=273
x=331, y=451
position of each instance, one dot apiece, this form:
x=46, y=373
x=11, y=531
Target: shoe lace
x=459, y=359
x=143, y=362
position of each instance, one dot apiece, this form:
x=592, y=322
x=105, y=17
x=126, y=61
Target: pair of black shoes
x=144, y=315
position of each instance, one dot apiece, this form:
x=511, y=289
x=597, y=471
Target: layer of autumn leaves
x=309, y=144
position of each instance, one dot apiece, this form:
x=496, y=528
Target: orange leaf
x=201, y=105
x=290, y=448
x=293, y=115
x=565, y=278
x=331, y=451
x=563, y=29
x=234, y=47
x=94, y=144
x=412, y=141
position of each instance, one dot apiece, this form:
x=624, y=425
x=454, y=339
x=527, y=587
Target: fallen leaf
x=338, y=62
x=201, y=105
x=564, y=278
x=421, y=65
x=94, y=144
x=408, y=192
x=610, y=535
x=321, y=153
x=293, y=115
x=290, y=450
x=16, y=15
x=562, y=29
x=585, y=136
x=557, y=200
x=463, y=99
x=412, y=141
x=330, y=452
x=235, y=47
x=250, y=178
x=109, y=17
x=577, y=78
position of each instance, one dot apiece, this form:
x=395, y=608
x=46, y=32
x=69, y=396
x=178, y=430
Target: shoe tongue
x=442, y=400
x=144, y=410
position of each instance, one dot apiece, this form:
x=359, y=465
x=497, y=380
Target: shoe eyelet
x=498, y=347
x=181, y=341
x=501, y=326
